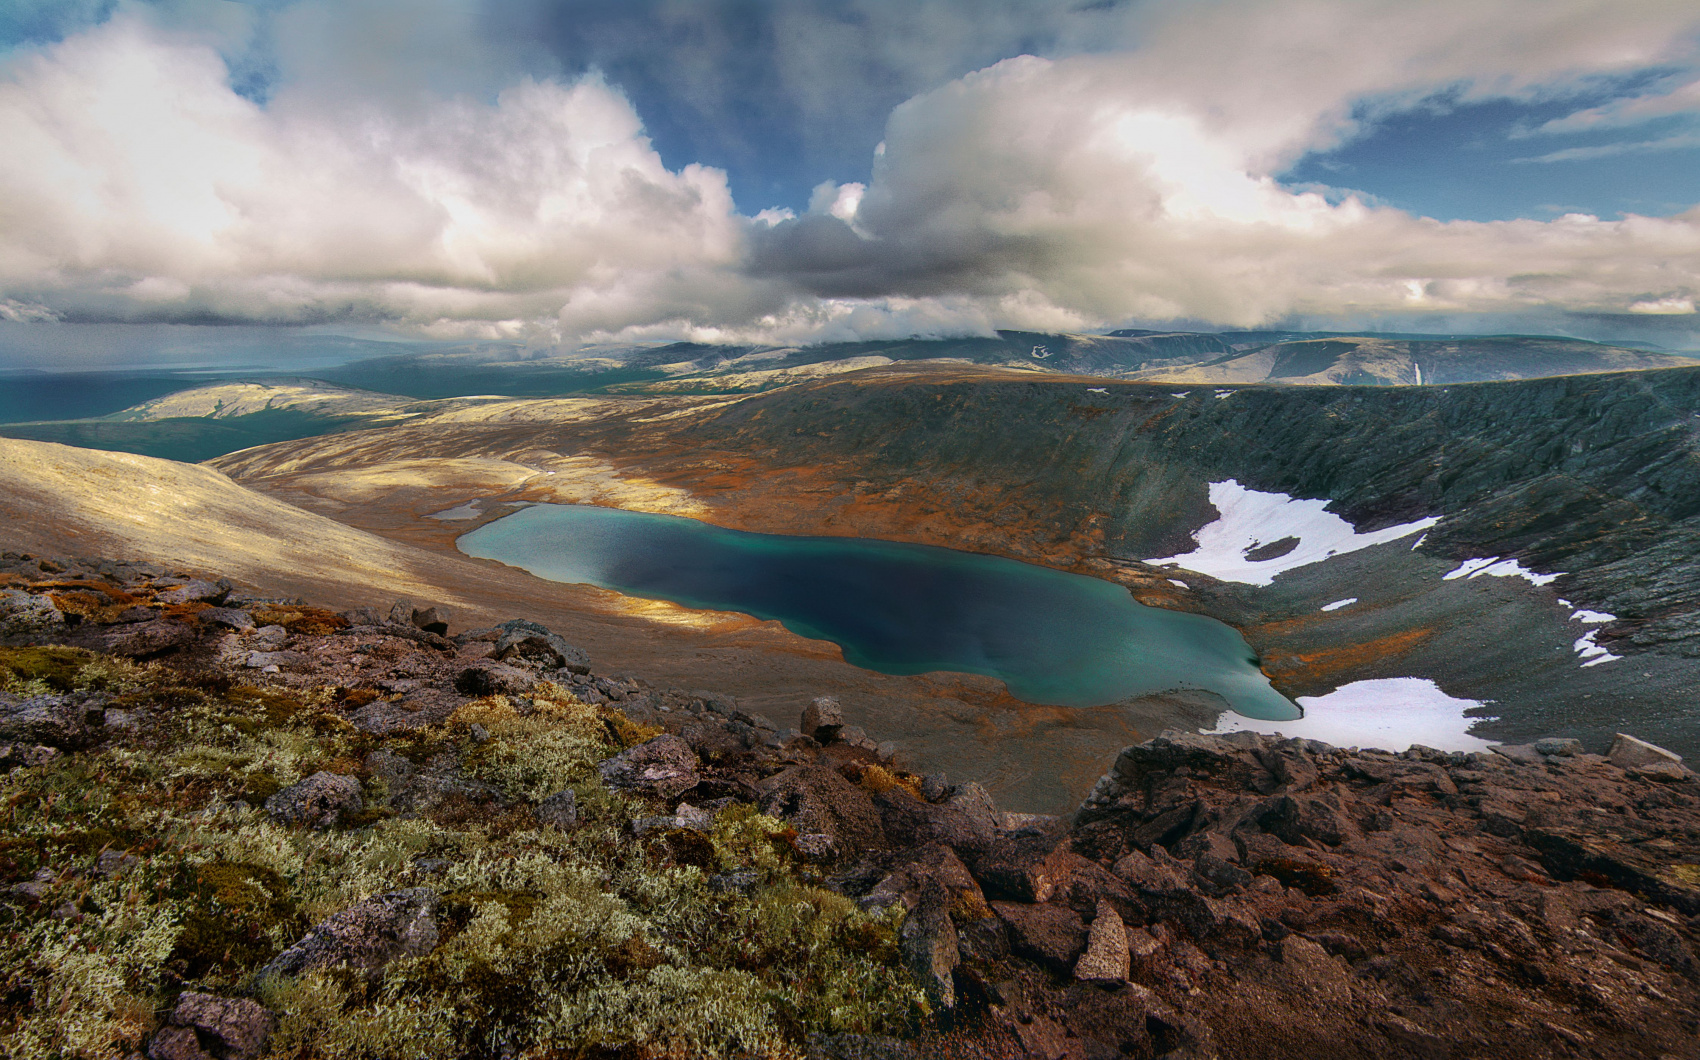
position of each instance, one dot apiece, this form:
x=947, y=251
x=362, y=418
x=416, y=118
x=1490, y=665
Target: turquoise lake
x=1052, y=637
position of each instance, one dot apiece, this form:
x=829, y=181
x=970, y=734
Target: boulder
x=529, y=643
x=1295, y=819
x=909, y=822
x=228, y=617
x=65, y=721
x=195, y=591
x=819, y=800
x=430, y=619
x=929, y=944
x=823, y=718
x=1151, y=874
x=320, y=799
x=366, y=936
x=664, y=767
x=931, y=865
x=208, y=1027
x=485, y=678
x=24, y=613
x=1050, y=935
x=559, y=810
x=1629, y=752
x=1558, y=747
x=1023, y=868
x=1106, y=958
x=416, y=710
x=142, y=639
x=975, y=804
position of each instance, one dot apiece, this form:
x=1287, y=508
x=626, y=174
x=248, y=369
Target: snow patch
x=1419, y=543
x=1182, y=394
x=1593, y=653
x=1494, y=567
x=1338, y=604
x=1391, y=713
x=1590, y=618
x=1224, y=393
x=1097, y=390
x=1250, y=518
x=1177, y=581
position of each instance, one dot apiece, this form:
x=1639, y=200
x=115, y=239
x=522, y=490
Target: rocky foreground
x=237, y=828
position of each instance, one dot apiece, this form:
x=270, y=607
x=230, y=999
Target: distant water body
x=1052, y=637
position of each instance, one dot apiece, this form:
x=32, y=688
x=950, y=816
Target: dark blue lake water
x=1052, y=637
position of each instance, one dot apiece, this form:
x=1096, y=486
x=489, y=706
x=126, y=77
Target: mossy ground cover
x=577, y=943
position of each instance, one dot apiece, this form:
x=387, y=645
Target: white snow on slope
x=1594, y=653
x=1338, y=604
x=1249, y=519
x=1591, y=618
x=1494, y=567
x=1391, y=713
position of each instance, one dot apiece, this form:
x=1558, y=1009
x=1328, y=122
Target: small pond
x=1052, y=637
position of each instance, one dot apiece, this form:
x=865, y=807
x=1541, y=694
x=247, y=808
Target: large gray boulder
x=823, y=718
x=319, y=799
x=195, y=591
x=485, y=678
x=22, y=612
x=1632, y=753
x=528, y=643
x=366, y=936
x=664, y=767
x=819, y=801
x=65, y=721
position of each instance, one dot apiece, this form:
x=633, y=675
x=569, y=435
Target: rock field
x=1228, y=897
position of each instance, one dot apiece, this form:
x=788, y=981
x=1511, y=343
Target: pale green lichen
x=552, y=943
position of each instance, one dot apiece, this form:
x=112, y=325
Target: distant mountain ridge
x=1285, y=358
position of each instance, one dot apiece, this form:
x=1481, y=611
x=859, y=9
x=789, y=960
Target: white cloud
x=1132, y=178
x=1684, y=99
x=137, y=183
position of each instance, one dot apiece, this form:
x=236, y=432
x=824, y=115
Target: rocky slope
x=240, y=827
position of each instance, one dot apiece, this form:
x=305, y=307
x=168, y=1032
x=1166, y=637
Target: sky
x=561, y=172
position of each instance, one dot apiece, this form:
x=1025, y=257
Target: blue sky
x=566, y=171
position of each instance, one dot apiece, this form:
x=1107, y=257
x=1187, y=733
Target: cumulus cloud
x=1061, y=182
x=1134, y=177
x=138, y=185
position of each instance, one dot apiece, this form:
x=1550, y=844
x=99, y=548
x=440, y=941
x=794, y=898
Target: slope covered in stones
x=240, y=827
